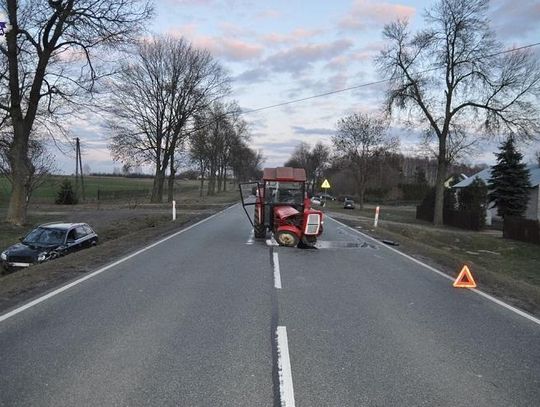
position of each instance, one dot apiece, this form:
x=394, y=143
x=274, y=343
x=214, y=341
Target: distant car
x=348, y=204
x=326, y=197
x=315, y=200
x=47, y=242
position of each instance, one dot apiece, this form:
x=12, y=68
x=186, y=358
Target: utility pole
x=78, y=165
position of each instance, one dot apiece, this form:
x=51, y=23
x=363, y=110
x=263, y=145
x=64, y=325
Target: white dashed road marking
x=277, y=274
x=286, y=389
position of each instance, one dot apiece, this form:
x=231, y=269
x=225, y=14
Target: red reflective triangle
x=465, y=279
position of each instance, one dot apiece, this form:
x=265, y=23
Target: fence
x=469, y=220
x=122, y=194
x=526, y=230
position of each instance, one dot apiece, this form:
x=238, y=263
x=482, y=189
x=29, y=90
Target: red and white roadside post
x=376, y=221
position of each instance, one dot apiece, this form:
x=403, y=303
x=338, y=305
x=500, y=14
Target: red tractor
x=282, y=206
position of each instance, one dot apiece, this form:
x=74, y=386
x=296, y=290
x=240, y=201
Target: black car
x=348, y=204
x=47, y=242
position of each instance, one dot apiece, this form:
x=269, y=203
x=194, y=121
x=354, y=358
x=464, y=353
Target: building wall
x=533, y=207
x=532, y=212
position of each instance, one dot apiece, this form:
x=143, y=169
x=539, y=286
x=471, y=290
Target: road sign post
x=326, y=186
x=173, y=210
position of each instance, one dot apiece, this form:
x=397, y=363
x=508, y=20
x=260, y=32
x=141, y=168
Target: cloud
x=313, y=131
x=252, y=75
x=510, y=20
x=269, y=14
x=203, y=3
x=293, y=37
x=231, y=49
x=300, y=58
x=367, y=15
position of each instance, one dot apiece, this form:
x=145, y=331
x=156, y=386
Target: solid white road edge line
x=474, y=290
x=101, y=270
x=286, y=390
x=277, y=274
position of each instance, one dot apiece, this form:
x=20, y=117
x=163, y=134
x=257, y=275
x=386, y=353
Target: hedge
x=526, y=230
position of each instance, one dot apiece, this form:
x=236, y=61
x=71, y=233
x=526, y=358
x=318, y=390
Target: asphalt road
x=192, y=322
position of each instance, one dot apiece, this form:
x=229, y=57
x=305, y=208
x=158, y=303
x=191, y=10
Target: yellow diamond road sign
x=325, y=184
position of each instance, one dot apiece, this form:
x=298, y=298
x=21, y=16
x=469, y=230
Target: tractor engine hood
x=284, y=212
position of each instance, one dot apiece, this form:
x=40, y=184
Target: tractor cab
x=281, y=206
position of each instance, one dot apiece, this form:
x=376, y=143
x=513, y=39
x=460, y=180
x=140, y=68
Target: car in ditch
x=46, y=242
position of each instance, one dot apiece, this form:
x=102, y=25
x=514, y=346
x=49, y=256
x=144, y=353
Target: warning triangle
x=325, y=184
x=465, y=279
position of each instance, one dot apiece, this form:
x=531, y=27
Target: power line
x=363, y=85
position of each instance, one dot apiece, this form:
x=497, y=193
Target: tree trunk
x=157, y=187
x=442, y=168
x=219, y=181
x=18, y=157
x=201, y=173
x=212, y=180
x=201, y=189
x=361, y=194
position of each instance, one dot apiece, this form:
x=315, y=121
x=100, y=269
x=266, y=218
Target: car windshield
x=45, y=236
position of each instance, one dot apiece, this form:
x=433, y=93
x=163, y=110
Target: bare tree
x=246, y=163
x=199, y=152
x=49, y=63
x=41, y=165
x=219, y=144
x=313, y=160
x=156, y=97
x=358, y=139
x=454, y=74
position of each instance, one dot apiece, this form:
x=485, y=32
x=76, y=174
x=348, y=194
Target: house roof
x=485, y=175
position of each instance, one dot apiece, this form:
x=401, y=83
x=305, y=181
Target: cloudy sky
x=285, y=50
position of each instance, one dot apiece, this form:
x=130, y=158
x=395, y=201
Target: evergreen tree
x=66, y=195
x=473, y=199
x=509, y=183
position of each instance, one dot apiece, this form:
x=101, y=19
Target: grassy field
x=48, y=191
x=506, y=268
x=109, y=216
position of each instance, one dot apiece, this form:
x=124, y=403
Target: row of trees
x=219, y=143
x=445, y=79
x=456, y=81
x=169, y=103
x=62, y=58
x=313, y=160
x=168, y=97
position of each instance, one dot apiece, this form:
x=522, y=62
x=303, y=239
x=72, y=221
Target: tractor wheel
x=309, y=241
x=286, y=238
x=259, y=230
